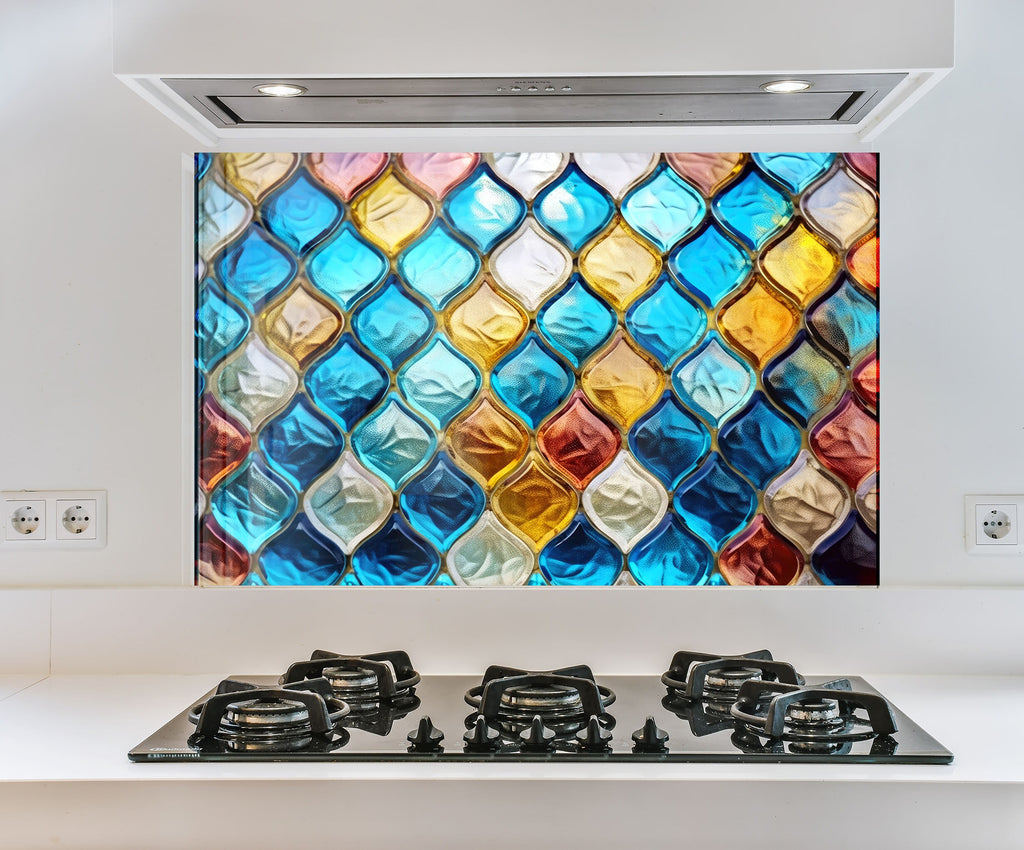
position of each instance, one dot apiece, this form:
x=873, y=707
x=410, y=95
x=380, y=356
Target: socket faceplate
x=60, y=513
x=992, y=525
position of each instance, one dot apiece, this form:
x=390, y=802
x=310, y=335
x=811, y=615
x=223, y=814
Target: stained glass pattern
x=521, y=369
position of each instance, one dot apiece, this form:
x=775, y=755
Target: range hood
x=456, y=66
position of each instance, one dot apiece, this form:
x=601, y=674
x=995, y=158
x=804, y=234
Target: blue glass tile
x=395, y=555
x=665, y=208
x=536, y=580
x=393, y=443
x=576, y=322
x=301, y=213
x=666, y=322
x=759, y=441
x=669, y=441
x=714, y=380
x=439, y=382
x=347, y=383
x=442, y=503
x=444, y=580
x=753, y=209
x=796, y=170
x=531, y=380
x=254, y=269
x=847, y=321
x=574, y=208
x=300, y=442
x=253, y=504
x=848, y=556
x=200, y=384
x=301, y=555
x=483, y=210
x=802, y=380
x=392, y=324
x=710, y=265
x=670, y=555
x=350, y=580
x=717, y=581
x=438, y=266
x=203, y=161
x=346, y=267
x=581, y=555
x=715, y=502
x=220, y=325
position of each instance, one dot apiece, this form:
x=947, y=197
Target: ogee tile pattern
x=522, y=369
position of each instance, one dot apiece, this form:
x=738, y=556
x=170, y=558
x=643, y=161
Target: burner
x=563, y=699
x=242, y=717
x=717, y=679
x=364, y=681
x=826, y=714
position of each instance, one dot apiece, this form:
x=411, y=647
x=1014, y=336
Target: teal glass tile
x=438, y=266
x=439, y=382
x=581, y=555
x=483, y=210
x=255, y=269
x=759, y=441
x=715, y=502
x=301, y=212
x=576, y=322
x=711, y=265
x=300, y=555
x=393, y=443
x=300, y=443
x=664, y=208
x=532, y=381
x=346, y=267
x=666, y=322
x=714, y=381
x=442, y=503
x=846, y=320
x=753, y=209
x=347, y=383
x=796, y=170
x=803, y=380
x=220, y=325
x=253, y=503
x=392, y=324
x=670, y=555
x=395, y=555
x=573, y=208
x=669, y=441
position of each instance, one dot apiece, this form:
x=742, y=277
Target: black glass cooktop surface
x=622, y=719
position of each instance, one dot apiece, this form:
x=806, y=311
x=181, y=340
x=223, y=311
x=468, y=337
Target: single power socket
x=54, y=519
x=992, y=525
x=24, y=519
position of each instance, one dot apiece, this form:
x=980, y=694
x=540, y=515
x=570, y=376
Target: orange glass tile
x=223, y=444
x=760, y=556
x=758, y=323
x=865, y=380
x=862, y=262
x=488, y=441
x=578, y=442
x=846, y=441
x=535, y=503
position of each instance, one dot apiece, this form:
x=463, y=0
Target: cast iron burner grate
x=244, y=717
x=366, y=682
x=518, y=701
x=823, y=718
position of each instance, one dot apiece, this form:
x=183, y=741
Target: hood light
x=280, y=90
x=786, y=86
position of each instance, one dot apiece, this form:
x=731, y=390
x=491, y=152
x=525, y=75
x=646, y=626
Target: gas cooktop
x=705, y=708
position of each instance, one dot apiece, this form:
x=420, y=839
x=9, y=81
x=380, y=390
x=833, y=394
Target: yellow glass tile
x=486, y=325
x=488, y=441
x=535, y=503
x=390, y=213
x=757, y=323
x=801, y=264
x=300, y=326
x=255, y=174
x=620, y=265
x=622, y=382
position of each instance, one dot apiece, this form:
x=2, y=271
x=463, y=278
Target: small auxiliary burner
x=247, y=718
x=564, y=700
x=366, y=682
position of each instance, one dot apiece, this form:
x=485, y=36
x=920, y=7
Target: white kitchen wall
x=92, y=347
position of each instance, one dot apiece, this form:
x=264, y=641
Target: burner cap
x=267, y=714
x=346, y=681
x=546, y=700
x=820, y=716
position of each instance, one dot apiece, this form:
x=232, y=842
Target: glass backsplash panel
x=536, y=368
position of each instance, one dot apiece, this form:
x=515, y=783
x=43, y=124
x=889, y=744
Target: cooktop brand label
x=537, y=368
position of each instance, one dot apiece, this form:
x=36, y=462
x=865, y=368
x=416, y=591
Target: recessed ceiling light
x=280, y=89
x=786, y=86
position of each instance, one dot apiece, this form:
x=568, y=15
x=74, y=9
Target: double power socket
x=54, y=519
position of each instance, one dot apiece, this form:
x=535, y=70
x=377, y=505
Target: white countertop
x=64, y=739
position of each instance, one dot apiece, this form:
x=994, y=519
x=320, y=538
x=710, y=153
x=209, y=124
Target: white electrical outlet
x=24, y=519
x=54, y=519
x=992, y=525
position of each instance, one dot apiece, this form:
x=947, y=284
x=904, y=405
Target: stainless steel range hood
x=541, y=101
x=457, y=68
